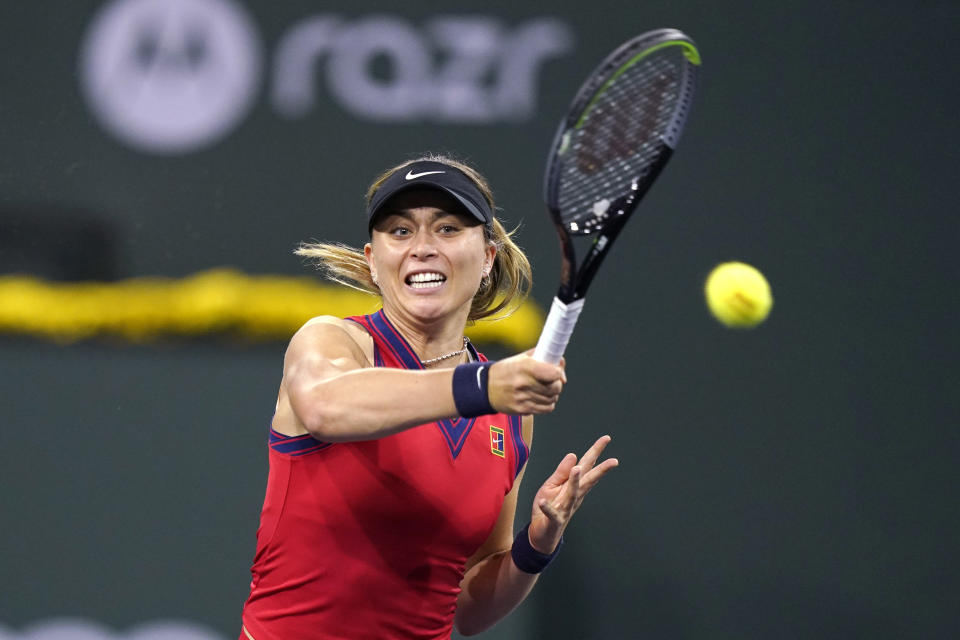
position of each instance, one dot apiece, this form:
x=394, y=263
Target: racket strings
x=620, y=138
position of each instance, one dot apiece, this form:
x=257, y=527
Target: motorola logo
x=174, y=76
x=170, y=76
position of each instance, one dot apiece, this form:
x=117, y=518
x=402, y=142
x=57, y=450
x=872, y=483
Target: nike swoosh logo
x=479, y=384
x=413, y=176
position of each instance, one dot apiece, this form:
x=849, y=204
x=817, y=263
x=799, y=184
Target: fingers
x=546, y=394
x=590, y=457
x=544, y=384
x=591, y=479
x=563, y=469
x=592, y=473
x=546, y=373
x=560, y=510
x=562, y=494
x=521, y=384
x=538, y=403
x=543, y=372
x=565, y=504
x=573, y=486
x=563, y=478
x=588, y=473
x=562, y=364
x=573, y=479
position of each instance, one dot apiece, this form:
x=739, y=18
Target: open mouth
x=429, y=280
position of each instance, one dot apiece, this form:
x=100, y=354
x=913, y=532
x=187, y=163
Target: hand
x=563, y=492
x=522, y=385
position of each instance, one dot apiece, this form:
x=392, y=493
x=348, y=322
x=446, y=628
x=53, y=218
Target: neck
x=430, y=338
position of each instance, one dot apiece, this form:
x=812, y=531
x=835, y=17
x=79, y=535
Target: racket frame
x=574, y=282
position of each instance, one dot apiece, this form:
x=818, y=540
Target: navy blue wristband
x=470, y=389
x=528, y=559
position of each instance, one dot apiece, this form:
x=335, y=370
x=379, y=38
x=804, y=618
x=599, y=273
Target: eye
x=448, y=227
x=400, y=231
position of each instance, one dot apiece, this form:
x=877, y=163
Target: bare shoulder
x=323, y=348
x=332, y=337
x=332, y=326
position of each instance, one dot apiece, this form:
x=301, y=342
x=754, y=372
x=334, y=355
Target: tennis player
x=397, y=450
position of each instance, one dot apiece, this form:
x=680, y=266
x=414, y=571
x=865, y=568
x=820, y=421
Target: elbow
x=326, y=426
x=464, y=628
x=318, y=415
x=469, y=620
x=316, y=423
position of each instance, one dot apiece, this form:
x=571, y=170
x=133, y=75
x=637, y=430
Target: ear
x=491, y=254
x=368, y=254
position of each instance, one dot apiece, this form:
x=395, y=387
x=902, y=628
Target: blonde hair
x=504, y=291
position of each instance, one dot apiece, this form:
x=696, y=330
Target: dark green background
x=799, y=480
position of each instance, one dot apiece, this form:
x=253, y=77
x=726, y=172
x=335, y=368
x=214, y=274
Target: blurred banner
x=77, y=629
x=169, y=77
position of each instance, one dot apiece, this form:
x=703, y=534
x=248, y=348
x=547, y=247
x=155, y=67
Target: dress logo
x=496, y=441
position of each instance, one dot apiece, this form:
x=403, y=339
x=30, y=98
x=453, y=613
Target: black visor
x=432, y=175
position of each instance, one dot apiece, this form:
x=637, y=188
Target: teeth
x=424, y=277
x=425, y=280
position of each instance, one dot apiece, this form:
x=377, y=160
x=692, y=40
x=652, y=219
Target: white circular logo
x=170, y=76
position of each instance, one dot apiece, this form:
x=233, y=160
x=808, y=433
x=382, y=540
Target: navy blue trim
x=364, y=321
x=394, y=340
x=295, y=445
x=454, y=431
x=520, y=450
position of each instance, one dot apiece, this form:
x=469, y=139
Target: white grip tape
x=557, y=330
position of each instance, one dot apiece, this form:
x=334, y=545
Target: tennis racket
x=618, y=134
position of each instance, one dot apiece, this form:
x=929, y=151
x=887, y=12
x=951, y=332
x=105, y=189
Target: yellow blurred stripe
x=227, y=301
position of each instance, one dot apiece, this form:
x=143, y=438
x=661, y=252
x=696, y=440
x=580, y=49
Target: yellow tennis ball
x=738, y=295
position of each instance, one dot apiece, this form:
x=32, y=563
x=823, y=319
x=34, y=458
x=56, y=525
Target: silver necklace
x=466, y=341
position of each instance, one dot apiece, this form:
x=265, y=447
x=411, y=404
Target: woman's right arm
x=338, y=398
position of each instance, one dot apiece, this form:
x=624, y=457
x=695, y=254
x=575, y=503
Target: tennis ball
x=738, y=295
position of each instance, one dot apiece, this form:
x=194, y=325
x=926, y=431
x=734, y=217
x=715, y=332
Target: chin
x=430, y=309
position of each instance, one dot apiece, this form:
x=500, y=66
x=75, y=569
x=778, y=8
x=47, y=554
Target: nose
x=423, y=245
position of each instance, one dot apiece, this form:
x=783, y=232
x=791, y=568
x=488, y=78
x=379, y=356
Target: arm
x=335, y=395
x=493, y=585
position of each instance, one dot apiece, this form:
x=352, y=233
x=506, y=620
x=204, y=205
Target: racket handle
x=557, y=330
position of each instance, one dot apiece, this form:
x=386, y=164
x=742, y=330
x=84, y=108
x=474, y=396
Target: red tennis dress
x=369, y=539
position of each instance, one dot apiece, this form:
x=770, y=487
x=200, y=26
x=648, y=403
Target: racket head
x=618, y=133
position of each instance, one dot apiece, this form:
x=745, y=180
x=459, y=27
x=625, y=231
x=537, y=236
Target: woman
x=397, y=450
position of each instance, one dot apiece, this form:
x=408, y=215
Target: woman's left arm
x=493, y=585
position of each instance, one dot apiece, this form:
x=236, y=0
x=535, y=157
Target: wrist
x=470, y=389
x=528, y=559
